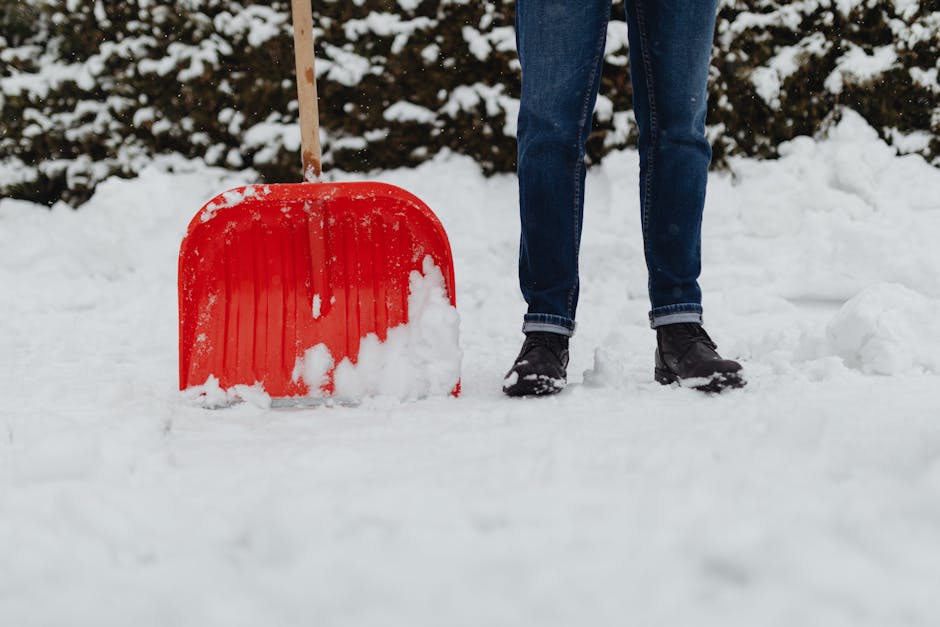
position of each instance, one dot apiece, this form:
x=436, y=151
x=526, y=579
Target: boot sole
x=535, y=386
x=711, y=385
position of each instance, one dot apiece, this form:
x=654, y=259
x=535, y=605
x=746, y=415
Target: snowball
x=314, y=369
x=887, y=329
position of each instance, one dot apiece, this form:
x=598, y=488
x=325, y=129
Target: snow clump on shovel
x=418, y=359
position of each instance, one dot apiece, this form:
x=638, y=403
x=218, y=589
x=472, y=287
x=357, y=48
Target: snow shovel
x=273, y=277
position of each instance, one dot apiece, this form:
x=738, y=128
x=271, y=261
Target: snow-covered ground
x=811, y=497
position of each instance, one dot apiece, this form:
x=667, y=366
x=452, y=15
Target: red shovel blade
x=269, y=271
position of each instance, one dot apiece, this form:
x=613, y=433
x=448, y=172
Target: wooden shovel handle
x=302, y=15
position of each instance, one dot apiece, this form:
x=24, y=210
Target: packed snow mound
x=418, y=359
x=825, y=220
x=888, y=329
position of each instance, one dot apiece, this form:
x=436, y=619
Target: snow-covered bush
x=92, y=89
x=783, y=69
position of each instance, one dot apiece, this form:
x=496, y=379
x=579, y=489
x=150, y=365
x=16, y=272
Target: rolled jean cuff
x=548, y=323
x=674, y=314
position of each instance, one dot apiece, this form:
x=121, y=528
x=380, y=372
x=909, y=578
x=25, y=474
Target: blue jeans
x=561, y=47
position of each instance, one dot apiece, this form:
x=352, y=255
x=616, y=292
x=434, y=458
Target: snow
x=50, y=76
x=417, y=360
x=385, y=25
x=232, y=198
x=879, y=331
x=859, y=67
x=267, y=138
x=787, y=16
x=905, y=8
x=15, y=171
x=478, y=44
x=431, y=54
x=465, y=98
x=617, y=37
x=785, y=63
x=909, y=33
x=411, y=5
x=346, y=68
x=811, y=497
x=260, y=23
x=211, y=395
x=314, y=369
x=925, y=78
x=409, y=112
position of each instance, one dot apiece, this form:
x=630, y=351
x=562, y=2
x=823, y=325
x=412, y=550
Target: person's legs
x=561, y=46
x=670, y=51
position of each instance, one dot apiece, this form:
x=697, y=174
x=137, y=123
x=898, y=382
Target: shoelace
x=535, y=340
x=702, y=336
x=695, y=334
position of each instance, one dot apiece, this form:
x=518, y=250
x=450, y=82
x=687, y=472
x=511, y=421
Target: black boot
x=540, y=367
x=685, y=354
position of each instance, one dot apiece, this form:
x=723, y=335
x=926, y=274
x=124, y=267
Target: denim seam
x=545, y=317
x=577, y=172
x=547, y=327
x=654, y=133
x=676, y=308
x=549, y=320
x=675, y=318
